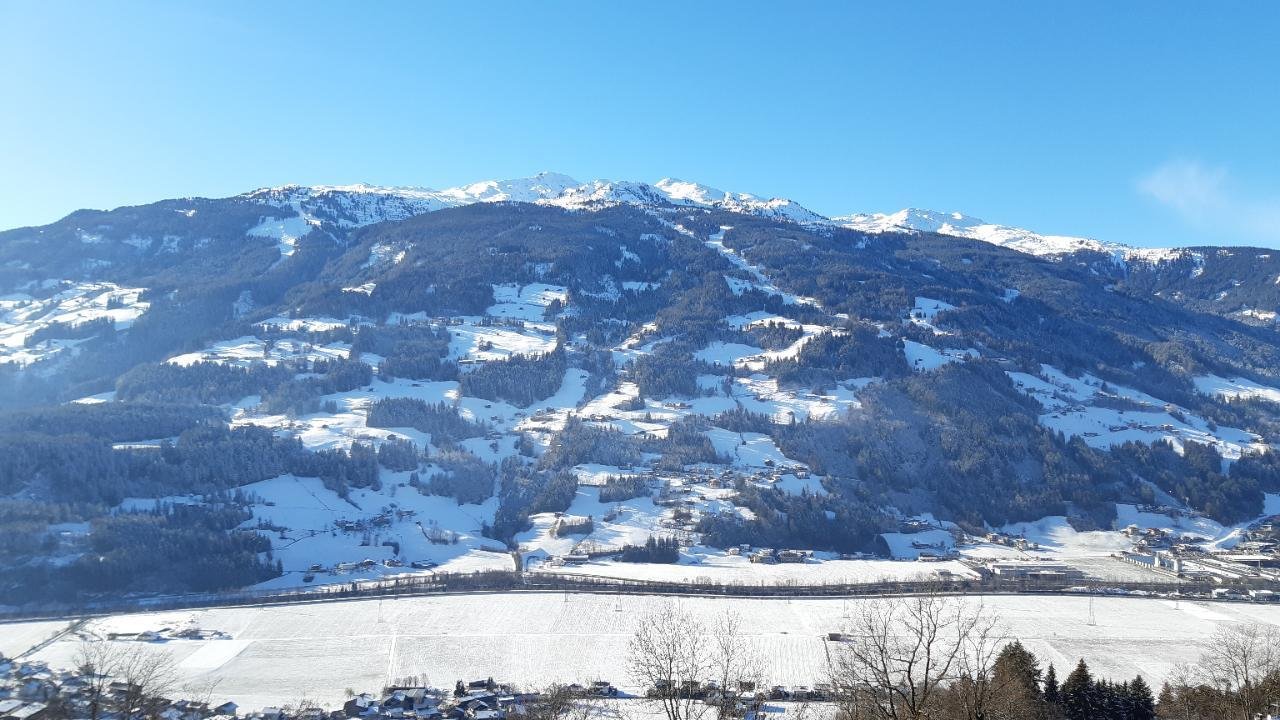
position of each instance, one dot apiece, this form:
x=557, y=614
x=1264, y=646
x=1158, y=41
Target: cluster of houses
x=1262, y=536
x=33, y=691
x=767, y=556
x=475, y=700
x=745, y=695
x=1255, y=571
x=16, y=709
x=1016, y=542
x=1251, y=568
x=1152, y=538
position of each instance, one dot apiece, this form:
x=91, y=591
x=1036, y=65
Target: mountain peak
x=966, y=226
x=692, y=192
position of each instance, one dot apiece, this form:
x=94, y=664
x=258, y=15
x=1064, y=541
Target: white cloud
x=1204, y=197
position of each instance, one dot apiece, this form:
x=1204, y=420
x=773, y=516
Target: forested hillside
x=442, y=381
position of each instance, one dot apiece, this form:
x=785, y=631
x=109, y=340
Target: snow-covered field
x=528, y=302
x=426, y=528
x=1106, y=415
x=247, y=350
x=703, y=565
x=923, y=357
x=17, y=638
x=22, y=315
x=275, y=655
x=1236, y=388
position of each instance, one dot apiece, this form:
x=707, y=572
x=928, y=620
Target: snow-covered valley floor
x=273, y=655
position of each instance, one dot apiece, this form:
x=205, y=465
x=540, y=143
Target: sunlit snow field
x=280, y=654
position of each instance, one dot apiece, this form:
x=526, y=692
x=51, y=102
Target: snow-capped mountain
x=363, y=204
x=965, y=226
x=535, y=364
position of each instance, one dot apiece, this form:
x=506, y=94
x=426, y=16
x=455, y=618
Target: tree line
x=931, y=657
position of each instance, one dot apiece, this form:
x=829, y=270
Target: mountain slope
x=340, y=373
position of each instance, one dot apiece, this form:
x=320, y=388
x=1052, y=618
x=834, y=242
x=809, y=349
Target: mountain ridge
x=557, y=189
x=564, y=191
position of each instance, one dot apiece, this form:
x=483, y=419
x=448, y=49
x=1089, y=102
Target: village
x=669, y=507
x=1249, y=569
x=33, y=691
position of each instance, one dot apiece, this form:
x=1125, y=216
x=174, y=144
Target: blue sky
x=1148, y=123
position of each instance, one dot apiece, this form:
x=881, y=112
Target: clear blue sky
x=1149, y=123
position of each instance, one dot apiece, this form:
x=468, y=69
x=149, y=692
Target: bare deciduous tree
x=1239, y=660
x=980, y=692
x=95, y=661
x=147, y=674
x=736, y=666
x=201, y=691
x=559, y=702
x=897, y=653
x=299, y=706
x=668, y=657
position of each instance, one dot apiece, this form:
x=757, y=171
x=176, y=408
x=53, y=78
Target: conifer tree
x=1051, y=685
x=1016, y=664
x=1168, y=704
x=1142, y=704
x=1079, y=694
x=1016, y=679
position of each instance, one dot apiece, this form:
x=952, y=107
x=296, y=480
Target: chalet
x=469, y=705
x=792, y=556
x=189, y=709
x=603, y=688
x=27, y=711
x=486, y=686
x=360, y=705
x=119, y=689
x=413, y=699
x=37, y=689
